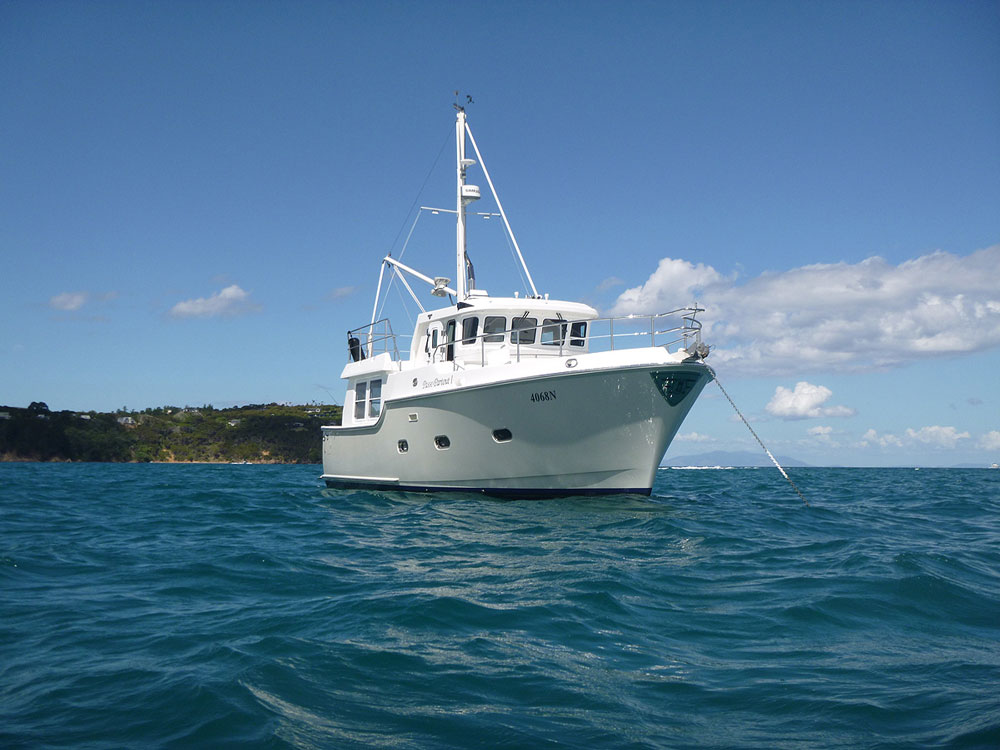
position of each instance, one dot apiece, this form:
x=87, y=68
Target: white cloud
x=694, y=437
x=69, y=301
x=804, y=402
x=990, y=441
x=884, y=440
x=680, y=279
x=838, y=316
x=228, y=302
x=823, y=436
x=944, y=437
x=935, y=435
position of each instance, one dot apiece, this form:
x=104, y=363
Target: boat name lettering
x=543, y=396
x=437, y=381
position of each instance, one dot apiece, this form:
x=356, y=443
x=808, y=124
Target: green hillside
x=258, y=433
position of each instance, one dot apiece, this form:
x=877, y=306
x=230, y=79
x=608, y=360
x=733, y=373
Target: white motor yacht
x=520, y=396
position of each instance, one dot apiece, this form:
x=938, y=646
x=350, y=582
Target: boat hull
x=595, y=432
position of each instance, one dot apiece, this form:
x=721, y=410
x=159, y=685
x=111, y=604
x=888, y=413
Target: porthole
x=402, y=446
x=441, y=442
x=502, y=435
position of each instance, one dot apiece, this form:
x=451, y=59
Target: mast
x=466, y=194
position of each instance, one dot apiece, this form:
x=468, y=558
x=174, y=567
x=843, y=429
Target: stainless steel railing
x=601, y=334
x=561, y=338
x=371, y=340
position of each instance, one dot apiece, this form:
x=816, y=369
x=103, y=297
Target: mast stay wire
x=416, y=200
x=757, y=437
x=421, y=190
x=513, y=255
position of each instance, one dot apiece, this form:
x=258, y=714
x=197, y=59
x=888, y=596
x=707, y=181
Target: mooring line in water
x=769, y=454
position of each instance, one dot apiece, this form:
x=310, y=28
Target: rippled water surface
x=223, y=606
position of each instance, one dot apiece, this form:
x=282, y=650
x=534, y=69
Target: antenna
x=461, y=107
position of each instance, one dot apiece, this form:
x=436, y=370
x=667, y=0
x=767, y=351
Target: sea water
x=247, y=606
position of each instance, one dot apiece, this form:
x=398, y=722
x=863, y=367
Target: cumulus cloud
x=609, y=283
x=935, y=435
x=804, y=402
x=990, y=441
x=884, y=440
x=674, y=279
x=228, y=302
x=823, y=435
x=837, y=316
x=945, y=437
x=694, y=437
x=69, y=301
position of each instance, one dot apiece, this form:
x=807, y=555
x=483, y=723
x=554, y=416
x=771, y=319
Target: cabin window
x=402, y=446
x=360, y=399
x=553, y=332
x=434, y=340
x=375, y=398
x=367, y=399
x=578, y=334
x=493, y=328
x=470, y=327
x=502, y=435
x=441, y=442
x=523, y=330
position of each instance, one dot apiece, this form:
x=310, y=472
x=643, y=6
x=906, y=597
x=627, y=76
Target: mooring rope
x=756, y=437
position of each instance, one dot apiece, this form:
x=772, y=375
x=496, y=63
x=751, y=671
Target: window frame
x=492, y=335
x=374, y=398
x=360, y=399
x=522, y=327
x=469, y=337
x=555, y=327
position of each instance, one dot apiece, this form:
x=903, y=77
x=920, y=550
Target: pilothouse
x=510, y=396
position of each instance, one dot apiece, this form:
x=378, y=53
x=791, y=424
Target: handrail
x=380, y=337
x=688, y=329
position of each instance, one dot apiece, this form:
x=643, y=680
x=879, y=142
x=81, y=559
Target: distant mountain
x=729, y=458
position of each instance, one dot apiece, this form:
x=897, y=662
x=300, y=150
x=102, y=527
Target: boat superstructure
x=511, y=396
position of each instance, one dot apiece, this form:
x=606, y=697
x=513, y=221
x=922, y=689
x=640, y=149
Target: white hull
x=591, y=432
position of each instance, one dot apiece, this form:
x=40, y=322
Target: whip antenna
x=756, y=437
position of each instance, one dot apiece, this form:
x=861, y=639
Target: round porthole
x=441, y=442
x=502, y=435
x=402, y=446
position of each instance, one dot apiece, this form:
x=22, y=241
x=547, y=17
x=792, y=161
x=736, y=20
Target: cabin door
x=450, y=339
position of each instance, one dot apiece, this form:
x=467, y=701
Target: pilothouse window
x=523, y=330
x=470, y=327
x=493, y=328
x=553, y=332
x=578, y=334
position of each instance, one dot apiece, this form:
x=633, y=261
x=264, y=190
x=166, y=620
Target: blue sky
x=194, y=197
